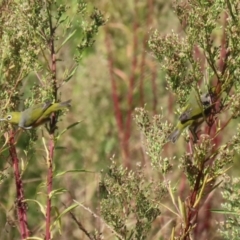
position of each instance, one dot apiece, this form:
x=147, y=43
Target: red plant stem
x=143, y=58
x=49, y=187
x=142, y=70
x=192, y=212
x=116, y=105
x=21, y=207
x=222, y=66
x=53, y=55
x=154, y=69
x=117, y=111
x=224, y=52
x=52, y=127
x=127, y=132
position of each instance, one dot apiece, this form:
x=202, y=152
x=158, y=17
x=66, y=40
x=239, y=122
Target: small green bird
x=193, y=116
x=35, y=115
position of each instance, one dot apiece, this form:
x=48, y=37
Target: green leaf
x=58, y=221
x=225, y=212
x=70, y=126
x=64, y=212
x=72, y=171
x=42, y=209
x=56, y=191
x=67, y=39
x=70, y=75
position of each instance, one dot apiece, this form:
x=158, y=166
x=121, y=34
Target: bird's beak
x=2, y=119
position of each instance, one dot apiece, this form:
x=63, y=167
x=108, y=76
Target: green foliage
x=42, y=45
x=34, y=36
x=176, y=53
x=181, y=54
x=230, y=209
x=156, y=132
x=205, y=54
x=129, y=197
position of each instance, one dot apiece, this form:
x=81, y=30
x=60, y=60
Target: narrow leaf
x=42, y=209
x=70, y=75
x=58, y=221
x=56, y=191
x=70, y=126
x=72, y=171
x=65, y=211
x=67, y=39
x=225, y=212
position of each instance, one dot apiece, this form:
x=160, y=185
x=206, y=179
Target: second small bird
x=192, y=116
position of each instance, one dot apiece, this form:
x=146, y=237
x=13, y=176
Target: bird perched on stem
x=193, y=116
x=35, y=115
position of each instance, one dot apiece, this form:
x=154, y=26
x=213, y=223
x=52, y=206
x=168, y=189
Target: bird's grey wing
x=26, y=121
x=41, y=106
x=23, y=119
x=186, y=116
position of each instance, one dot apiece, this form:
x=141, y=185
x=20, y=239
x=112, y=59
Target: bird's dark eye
x=9, y=117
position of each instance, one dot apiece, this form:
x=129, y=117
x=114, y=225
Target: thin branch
x=98, y=217
x=80, y=226
x=49, y=187
x=53, y=122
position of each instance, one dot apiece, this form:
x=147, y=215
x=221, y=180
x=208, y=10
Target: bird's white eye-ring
x=9, y=117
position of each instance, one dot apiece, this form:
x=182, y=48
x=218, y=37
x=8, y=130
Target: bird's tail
x=173, y=137
x=65, y=104
x=58, y=106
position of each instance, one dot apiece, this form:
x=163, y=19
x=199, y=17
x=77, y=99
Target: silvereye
x=35, y=115
x=193, y=115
